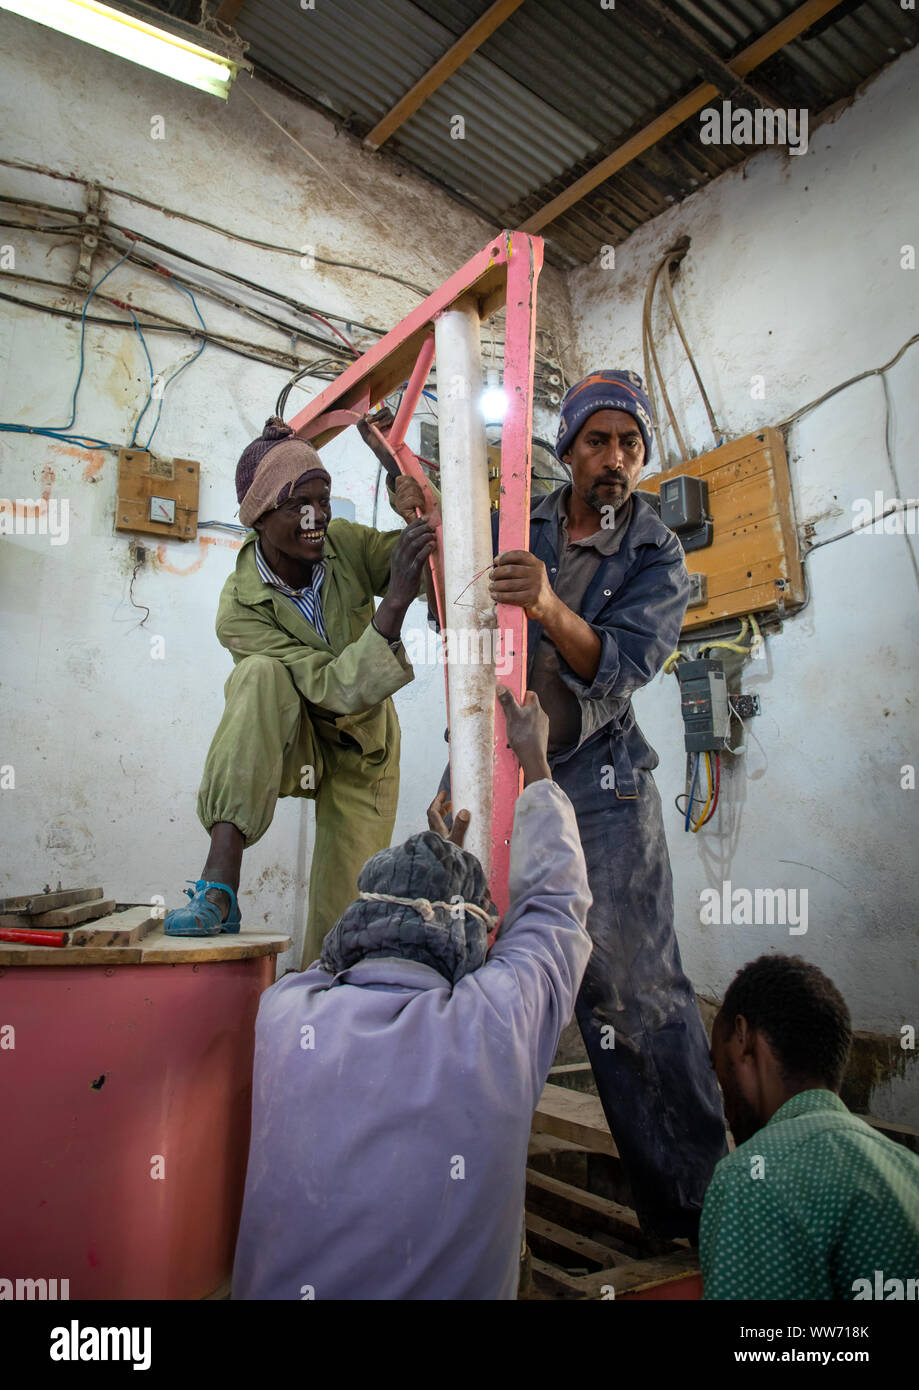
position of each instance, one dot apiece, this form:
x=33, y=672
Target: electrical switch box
x=704, y=705
x=157, y=497
x=684, y=508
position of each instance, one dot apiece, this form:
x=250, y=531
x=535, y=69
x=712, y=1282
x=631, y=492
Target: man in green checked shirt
x=813, y=1203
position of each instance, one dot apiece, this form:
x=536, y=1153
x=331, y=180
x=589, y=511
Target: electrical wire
x=213, y=227
x=737, y=752
x=872, y=371
x=692, y=791
x=143, y=343
x=898, y=506
x=717, y=758
x=540, y=392
x=187, y=363
x=704, y=816
x=65, y=433
x=649, y=352
x=269, y=356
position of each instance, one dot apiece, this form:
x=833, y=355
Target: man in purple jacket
x=396, y=1078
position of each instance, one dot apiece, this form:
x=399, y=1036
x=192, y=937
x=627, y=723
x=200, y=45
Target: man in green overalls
x=308, y=708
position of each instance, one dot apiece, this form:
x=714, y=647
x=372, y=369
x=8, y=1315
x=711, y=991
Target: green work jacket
x=348, y=680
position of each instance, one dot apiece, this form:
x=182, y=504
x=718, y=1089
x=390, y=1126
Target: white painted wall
x=795, y=273
x=107, y=743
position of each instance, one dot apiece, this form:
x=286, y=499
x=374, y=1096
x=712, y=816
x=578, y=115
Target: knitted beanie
x=604, y=390
x=300, y=461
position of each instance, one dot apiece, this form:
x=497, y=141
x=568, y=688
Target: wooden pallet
x=583, y=1245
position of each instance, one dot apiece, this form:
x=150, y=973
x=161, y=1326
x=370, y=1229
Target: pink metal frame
x=505, y=273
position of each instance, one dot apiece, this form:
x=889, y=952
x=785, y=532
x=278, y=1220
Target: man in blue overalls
x=604, y=587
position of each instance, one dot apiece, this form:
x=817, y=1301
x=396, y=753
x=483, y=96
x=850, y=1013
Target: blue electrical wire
x=73, y=403
x=692, y=790
x=63, y=432
x=185, y=290
x=143, y=343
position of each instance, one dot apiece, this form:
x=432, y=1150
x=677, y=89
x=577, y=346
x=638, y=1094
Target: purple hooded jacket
x=391, y=1112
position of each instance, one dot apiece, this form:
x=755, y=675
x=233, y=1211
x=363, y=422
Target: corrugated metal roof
x=558, y=86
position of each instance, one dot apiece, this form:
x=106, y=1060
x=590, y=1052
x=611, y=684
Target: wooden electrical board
x=753, y=564
x=158, y=497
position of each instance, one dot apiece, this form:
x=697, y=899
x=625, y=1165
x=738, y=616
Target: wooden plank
x=776, y=37
x=159, y=949
x=548, y=1278
x=436, y=75
x=582, y=1247
x=611, y=1217
x=61, y=916
x=119, y=929
x=46, y=902
x=641, y=1274
x=575, y=1116
x=14, y=953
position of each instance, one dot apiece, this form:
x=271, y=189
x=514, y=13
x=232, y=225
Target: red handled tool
x=35, y=938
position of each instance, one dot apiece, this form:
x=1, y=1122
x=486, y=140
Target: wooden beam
x=435, y=76
x=667, y=28
x=575, y=1116
x=777, y=37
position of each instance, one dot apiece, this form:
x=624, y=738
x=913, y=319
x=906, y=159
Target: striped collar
x=268, y=575
x=307, y=600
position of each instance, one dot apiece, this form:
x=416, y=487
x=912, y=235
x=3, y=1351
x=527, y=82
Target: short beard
x=594, y=499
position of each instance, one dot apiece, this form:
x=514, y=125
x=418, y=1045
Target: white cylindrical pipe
x=470, y=622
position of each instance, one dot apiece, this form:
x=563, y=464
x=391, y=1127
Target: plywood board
x=753, y=564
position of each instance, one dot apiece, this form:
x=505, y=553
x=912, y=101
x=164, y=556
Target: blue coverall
x=653, y=1073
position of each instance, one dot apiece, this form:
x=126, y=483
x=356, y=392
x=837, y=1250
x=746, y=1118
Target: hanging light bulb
x=494, y=402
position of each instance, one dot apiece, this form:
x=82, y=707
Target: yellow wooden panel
x=140, y=477
x=753, y=564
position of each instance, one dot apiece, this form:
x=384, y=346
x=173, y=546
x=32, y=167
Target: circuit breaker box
x=704, y=705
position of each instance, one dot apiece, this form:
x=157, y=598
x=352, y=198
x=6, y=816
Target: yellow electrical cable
x=731, y=646
x=711, y=792
x=670, y=664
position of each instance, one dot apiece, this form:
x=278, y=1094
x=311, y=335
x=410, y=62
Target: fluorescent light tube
x=126, y=36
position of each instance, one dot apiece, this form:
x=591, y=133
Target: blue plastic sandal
x=200, y=917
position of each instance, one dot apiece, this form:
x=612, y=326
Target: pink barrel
x=125, y=1104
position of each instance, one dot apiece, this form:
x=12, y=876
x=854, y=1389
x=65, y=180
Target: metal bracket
x=90, y=243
